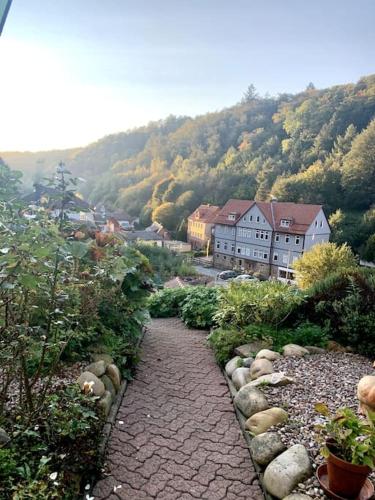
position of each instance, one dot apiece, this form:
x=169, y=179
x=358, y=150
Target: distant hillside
x=317, y=146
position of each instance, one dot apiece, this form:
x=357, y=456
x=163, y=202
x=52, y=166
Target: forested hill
x=317, y=146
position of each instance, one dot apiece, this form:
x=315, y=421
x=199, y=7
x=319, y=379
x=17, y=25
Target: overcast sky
x=72, y=71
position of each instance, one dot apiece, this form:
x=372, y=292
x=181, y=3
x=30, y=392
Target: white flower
x=89, y=498
x=115, y=488
x=87, y=487
x=53, y=476
x=121, y=422
x=36, y=427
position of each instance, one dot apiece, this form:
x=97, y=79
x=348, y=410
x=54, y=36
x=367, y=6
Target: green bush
x=199, y=307
x=269, y=302
x=167, y=303
x=303, y=334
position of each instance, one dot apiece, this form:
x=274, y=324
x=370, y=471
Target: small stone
x=4, y=437
x=247, y=350
x=260, y=367
x=114, y=374
x=247, y=362
x=97, y=368
x=267, y=354
x=234, y=363
x=105, y=403
x=287, y=470
x=240, y=377
x=90, y=383
x=277, y=379
x=265, y=447
x=315, y=350
x=294, y=350
x=250, y=400
x=108, y=384
x=262, y=421
x=108, y=360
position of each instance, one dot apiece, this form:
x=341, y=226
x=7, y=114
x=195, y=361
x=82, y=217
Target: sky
x=72, y=71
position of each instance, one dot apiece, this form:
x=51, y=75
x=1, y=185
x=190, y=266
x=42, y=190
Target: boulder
x=260, y=367
x=277, y=379
x=105, y=403
x=268, y=354
x=265, y=447
x=314, y=350
x=114, y=374
x=108, y=360
x=297, y=496
x=262, y=421
x=334, y=346
x=234, y=363
x=91, y=384
x=97, y=368
x=108, y=384
x=247, y=350
x=287, y=470
x=4, y=437
x=247, y=362
x=294, y=350
x=240, y=377
x=366, y=392
x=250, y=400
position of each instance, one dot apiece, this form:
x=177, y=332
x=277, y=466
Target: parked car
x=245, y=277
x=226, y=275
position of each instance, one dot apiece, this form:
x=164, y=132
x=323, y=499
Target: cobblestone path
x=176, y=434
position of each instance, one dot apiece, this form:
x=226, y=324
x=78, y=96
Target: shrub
x=269, y=302
x=303, y=334
x=167, y=303
x=199, y=307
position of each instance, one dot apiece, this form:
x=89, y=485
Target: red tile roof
x=205, y=213
x=300, y=215
x=236, y=207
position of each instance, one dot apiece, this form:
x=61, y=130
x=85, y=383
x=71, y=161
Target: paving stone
x=179, y=437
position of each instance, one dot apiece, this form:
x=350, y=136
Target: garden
x=68, y=297
x=293, y=358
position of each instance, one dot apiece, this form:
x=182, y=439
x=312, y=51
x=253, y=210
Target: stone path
x=176, y=433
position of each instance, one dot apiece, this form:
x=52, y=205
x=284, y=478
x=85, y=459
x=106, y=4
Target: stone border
x=110, y=421
x=241, y=420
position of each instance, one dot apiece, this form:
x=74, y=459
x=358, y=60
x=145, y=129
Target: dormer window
x=285, y=223
x=232, y=217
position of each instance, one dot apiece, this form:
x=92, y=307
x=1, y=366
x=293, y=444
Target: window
x=265, y=256
x=250, y=218
x=264, y=220
x=257, y=234
x=232, y=217
x=316, y=223
x=239, y=250
x=285, y=259
x=218, y=245
x=232, y=247
x=285, y=223
x=277, y=237
x=244, y=218
x=258, y=218
x=275, y=257
x=321, y=223
x=287, y=238
x=225, y=246
x=297, y=240
x=247, y=251
x=224, y=257
x=233, y=231
x=240, y=262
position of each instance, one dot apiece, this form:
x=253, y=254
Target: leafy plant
x=167, y=303
x=200, y=306
x=353, y=438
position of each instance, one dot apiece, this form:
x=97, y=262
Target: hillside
x=317, y=146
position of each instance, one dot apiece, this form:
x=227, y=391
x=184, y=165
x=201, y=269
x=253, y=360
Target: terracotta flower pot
x=345, y=479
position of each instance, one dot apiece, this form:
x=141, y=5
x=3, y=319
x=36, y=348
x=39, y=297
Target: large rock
x=287, y=470
x=334, y=346
x=294, y=350
x=240, y=377
x=4, y=437
x=314, y=350
x=297, y=496
x=114, y=374
x=260, y=367
x=277, y=379
x=265, y=447
x=366, y=392
x=247, y=362
x=250, y=400
x=91, y=384
x=108, y=360
x=248, y=350
x=268, y=354
x=97, y=368
x=234, y=363
x=108, y=384
x=262, y=421
x=105, y=403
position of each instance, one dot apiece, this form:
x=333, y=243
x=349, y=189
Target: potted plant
x=349, y=447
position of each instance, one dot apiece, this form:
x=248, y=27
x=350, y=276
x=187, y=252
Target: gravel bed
x=329, y=378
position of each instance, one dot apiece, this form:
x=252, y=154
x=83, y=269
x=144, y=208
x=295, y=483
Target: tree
x=250, y=95
x=166, y=214
x=322, y=260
